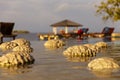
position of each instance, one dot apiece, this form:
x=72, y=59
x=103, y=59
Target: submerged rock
x=54, y=44
x=93, y=47
x=79, y=51
x=16, y=59
x=103, y=63
x=23, y=48
x=85, y=50
x=8, y=46
x=15, y=43
x=21, y=41
x=101, y=44
x=20, y=54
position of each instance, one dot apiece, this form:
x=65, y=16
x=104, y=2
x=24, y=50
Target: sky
x=38, y=15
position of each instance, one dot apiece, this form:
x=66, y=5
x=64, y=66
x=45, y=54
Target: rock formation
x=18, y=53
x=102, y=64
x=79, y=51
x=7, y=46
x=21, y=41
x=54, y=44
x=86, y=50
x=16, y=59
x=23, y=48
x=101, y=44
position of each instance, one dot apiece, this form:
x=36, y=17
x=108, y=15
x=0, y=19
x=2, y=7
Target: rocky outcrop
x=79, y=51
x=103, y=63
x=94, y=48
x=23, y=48
x=8, y=46
x=54, y=44
x=21, y=41
x=18, y=53
x=16, y=59
x=15, y=43
x=48, y=36
x=101, y=44
x=86, y=50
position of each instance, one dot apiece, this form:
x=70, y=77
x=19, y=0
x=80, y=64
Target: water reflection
x=114, y=49
x=115, y=39
x=104, y=73
x=110, y=39
x=107, y=39
x=15, y=69
x=52, y=65
x=79, y=59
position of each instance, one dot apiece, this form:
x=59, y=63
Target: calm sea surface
x=53, y=65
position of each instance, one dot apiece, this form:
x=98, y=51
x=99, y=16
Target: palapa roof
x=67, y=23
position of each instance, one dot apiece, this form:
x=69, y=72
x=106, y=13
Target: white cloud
x=62, y=7
x=42, y=13
x=74, y=5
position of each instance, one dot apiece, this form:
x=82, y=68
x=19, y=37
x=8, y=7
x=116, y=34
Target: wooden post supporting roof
x=65, y=23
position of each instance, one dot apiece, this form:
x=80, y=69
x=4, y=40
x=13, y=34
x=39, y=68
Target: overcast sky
x=38, y=15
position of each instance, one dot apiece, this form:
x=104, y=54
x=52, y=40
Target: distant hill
x=20, y=32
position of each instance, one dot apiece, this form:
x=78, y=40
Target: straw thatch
x=67, y=23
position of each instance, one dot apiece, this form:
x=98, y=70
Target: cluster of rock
x=18, y=53
x=16, y=59
x=103, y=63
x=23, y=43
x=79, y=51
x=86, y=50
x=48, y=36
x=54, y=43
x=101, y=45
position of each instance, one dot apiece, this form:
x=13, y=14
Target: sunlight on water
x=53, y=65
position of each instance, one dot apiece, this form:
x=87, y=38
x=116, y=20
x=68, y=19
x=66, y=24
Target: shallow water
x=51, y=64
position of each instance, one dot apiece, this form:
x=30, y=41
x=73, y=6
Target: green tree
x=109, y=9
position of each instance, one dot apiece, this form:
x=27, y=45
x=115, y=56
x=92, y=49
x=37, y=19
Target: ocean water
x=51, y=64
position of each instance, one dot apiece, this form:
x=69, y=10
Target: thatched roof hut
x=65, y=23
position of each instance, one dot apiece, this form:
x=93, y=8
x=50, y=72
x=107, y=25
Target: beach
x=51, y=64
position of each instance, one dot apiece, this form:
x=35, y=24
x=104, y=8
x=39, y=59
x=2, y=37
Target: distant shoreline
x=20, y=32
